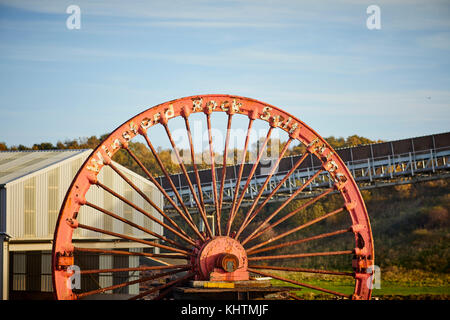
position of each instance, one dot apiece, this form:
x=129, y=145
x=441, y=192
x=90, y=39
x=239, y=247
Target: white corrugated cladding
x=106, y=279
x=46, y=272
x=92, y=217
x=19, y=271
x=134, y=275
x=37, y=182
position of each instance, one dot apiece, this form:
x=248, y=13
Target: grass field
x=395, y=283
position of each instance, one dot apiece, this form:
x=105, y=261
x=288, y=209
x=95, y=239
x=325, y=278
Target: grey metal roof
x=16, y=164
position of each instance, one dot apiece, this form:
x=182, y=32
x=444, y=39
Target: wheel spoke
x=164, y=293
x=127, y=253
x=125, y=200
x=255, y=233
x=186, y=175
x=331, y=272
x=171, y=283
x=213, y=170
x=238, y=182
x=167, y=175
x=284, y=234
x=300, y=255
x=129, y=283
x=235, y=209
x=294, y=297
x=194, y=164
x=300, y=283
x=123, y=236
x=253, y=250
x=132, y=224
x=297, y=164
x=161, y=189
x=95, y=271
x=255, y=202
x=146, y=198
x=224, y=169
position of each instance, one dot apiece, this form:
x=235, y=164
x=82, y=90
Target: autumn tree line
x=410, y=223
x=144, y=153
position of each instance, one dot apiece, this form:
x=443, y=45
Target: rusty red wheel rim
x=196, y=247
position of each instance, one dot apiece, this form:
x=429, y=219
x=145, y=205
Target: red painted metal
x=249, y=178
x=123, y=236
x=166, y=173
x=336, y=273
x=137, y=226
x=208, y=112
x=194, y=162
x=301, y=284
x=134, y=269
x=211, y=255
x=128, y=283
x=266, y=227
x=255, y=202
x=274, y=191
x=146, y=198
x=301, y=255
x=228, y=262
x=220, y=257
x=168, y=284
x=284, y=234
x=253, y=250
x=200, y=206
x=128, y=253
x=188, y=220
x=238, y=181
x=224, y=172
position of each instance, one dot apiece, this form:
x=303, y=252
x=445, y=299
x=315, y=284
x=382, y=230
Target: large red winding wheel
x=234, y=251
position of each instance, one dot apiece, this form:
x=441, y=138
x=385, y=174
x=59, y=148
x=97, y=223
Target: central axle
x=221, y=259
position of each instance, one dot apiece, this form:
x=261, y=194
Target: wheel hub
x=221, y=259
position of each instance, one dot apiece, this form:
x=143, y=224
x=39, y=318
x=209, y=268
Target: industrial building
x=33, y=185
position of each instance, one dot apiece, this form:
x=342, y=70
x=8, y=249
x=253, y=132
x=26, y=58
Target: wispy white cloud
x=396, y=14
x=244, y=58
x=197, y=10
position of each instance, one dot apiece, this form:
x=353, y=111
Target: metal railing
x=368, y=173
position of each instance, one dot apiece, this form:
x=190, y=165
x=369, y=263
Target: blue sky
x=315, y=59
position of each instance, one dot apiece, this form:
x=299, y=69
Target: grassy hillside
x=410, y=226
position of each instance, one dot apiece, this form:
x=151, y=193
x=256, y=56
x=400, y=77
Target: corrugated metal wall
x=134, y=275
x=19, y=271
x=32, y=208
x=46, y=271
x=53, y=199
x=31, y=271
x=105, y=279
x=33, y=203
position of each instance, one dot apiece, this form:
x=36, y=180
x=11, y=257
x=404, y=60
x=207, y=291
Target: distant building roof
x=16, y=164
